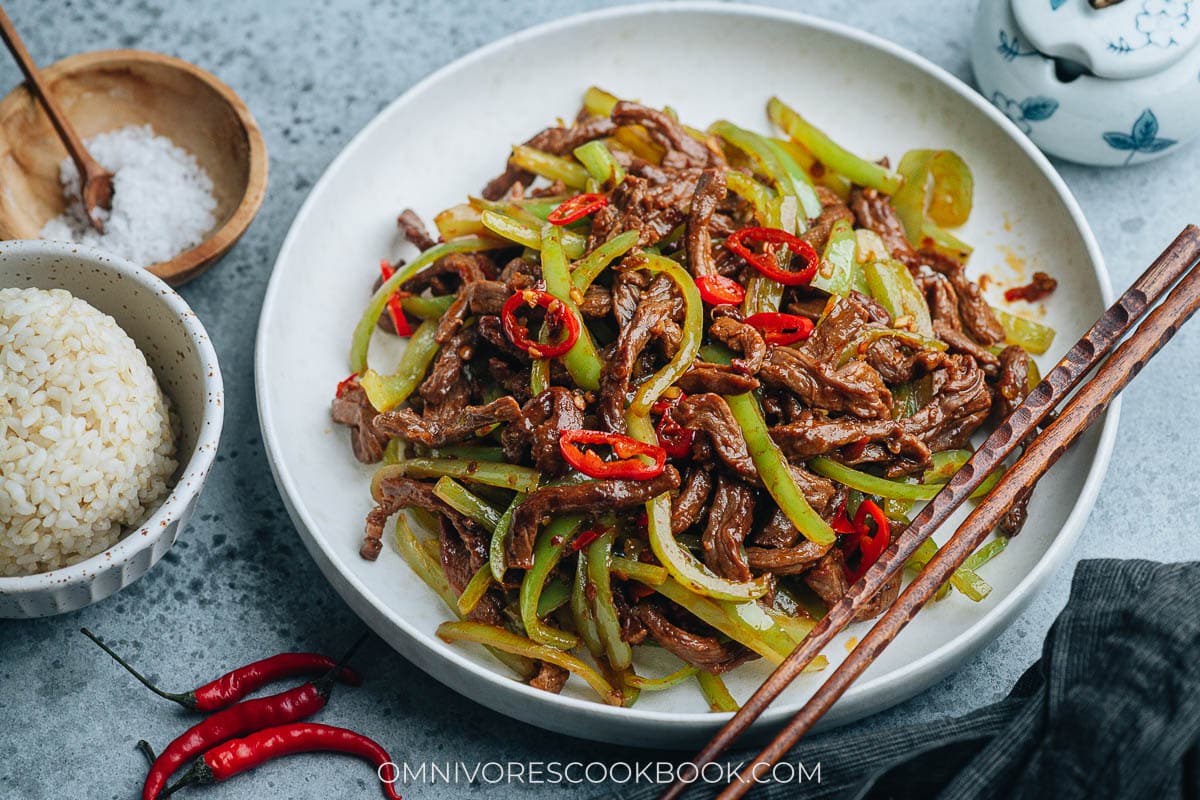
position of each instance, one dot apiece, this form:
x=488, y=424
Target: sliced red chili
x=576, y=208
x=841, y=523
x=557, y=315
x=345, y=384
x=395, y=310
x=675, y=439
x=870, y=543
x=717, y=290
x=854, y=451
x=628, y=464
x=765, y=263
x=781, y=329
x=587, y=537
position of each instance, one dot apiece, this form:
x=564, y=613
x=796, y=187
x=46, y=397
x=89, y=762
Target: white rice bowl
x=87, y=442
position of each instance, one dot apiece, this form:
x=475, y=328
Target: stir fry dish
x=675, y=387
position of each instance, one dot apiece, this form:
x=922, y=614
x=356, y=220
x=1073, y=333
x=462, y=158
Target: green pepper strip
x=598, y=102
x=964, y=579
x=547, y=552
x=762, y=621
x=629, y=569
x=715, y=692
x=753, y=192
x=665, y=682
x=689, y=344
x=893, y=286
x=427, y=307
x=497, y=559
x=388, y=391
x=366, y=324
x=712, y=613
x=528, y=235
x=599, y=562
x=588, y=268
x=430, y=571
x=554, y=596
x=680, y=563
x=471, y=452
x=836, y=274
x=504, y=476
x=474, y=591
x=458, y=497
x=780, y=168
x=551, y=167
x=1035, y=337
x=829, y=153
x=885, y=487
x=508, y=641
x=582, y=360
x=600, y=163
x=581, y=609
x=774, y=471
x=986, y=553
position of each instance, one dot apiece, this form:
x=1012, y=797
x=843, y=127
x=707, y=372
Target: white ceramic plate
x=450, y=133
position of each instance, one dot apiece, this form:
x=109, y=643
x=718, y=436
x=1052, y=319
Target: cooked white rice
x=86, y=441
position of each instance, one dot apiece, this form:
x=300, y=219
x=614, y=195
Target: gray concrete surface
x=239, y=584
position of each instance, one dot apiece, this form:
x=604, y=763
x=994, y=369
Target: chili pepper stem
x=198, y=775
x=147, y=750
x=184, y=699
x=325, y=682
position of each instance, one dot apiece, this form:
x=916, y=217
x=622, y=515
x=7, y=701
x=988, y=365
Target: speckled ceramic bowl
x=179, y=351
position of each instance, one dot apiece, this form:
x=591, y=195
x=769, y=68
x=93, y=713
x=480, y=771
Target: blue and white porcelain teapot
x=1107, y=82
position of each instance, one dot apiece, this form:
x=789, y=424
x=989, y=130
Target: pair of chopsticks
x=1172, y=267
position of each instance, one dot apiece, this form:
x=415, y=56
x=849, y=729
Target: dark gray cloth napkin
x=1112, y=710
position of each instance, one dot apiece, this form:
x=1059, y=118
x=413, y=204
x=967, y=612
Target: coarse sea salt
x=162, y=199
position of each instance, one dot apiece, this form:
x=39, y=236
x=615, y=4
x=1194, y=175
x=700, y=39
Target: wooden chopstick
x=1040, y=455
x=1057, y=384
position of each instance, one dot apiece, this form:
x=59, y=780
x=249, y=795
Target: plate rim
x=872, y=693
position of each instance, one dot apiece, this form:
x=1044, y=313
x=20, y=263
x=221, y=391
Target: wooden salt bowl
x=111, y=89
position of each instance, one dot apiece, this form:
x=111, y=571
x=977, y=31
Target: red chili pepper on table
x=718, y=290
x=673, y=438
x=236, y=684
x=781, y=329
x=557, y=314
x=628, y=466
x=395, y=310
x=240, y=755
x=576, y=208
x=765, y=263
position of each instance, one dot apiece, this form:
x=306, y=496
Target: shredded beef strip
x=1010, y=390
x=597, y=497
x=682, y=149
x=778, y=531
x=653, y=210
x=786, y=560
x=811, y=435
x=689, y=505
x=399, y=492
x=414, y=229
x=710, y=191
x=355, y=410
x=730, y=519
x=549, y=678
x=448, y=274
x=855, y=388
x=977, y=316
x=491, y=330
x=717, y=379
x=832, y=210
x=597, y=302
x=743, y=339
x=948, y=325
x=961, y=402
x=487, y=297
x=874, y=211
x=706, y=652
x=827, y=578
x=660, y=301
x=710, y=414
x=536, y=431
x=898, y=362
x=558, y=141
x=403, y=423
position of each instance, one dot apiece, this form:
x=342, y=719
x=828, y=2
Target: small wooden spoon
x=96, y=189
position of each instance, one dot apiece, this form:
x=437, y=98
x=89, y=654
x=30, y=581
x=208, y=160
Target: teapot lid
x=1111, y=38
